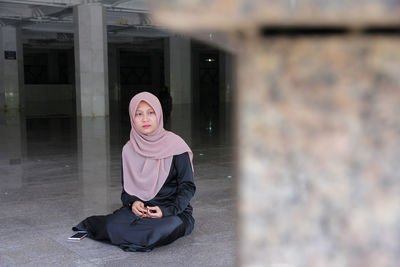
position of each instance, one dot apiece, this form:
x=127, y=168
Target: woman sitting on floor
x=158, y=185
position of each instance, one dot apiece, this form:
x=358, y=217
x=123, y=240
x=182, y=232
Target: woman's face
x=145, y=118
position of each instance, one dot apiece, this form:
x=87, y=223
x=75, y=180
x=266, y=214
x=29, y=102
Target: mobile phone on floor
x=77, y=236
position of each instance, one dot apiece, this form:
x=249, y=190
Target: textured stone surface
x=229, y=15
x=319, y=148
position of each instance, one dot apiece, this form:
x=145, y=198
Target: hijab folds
x=147, y=159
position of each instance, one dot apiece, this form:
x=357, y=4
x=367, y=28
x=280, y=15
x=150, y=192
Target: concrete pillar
x=180, y=70
x=318, y=147
x=91, y=60
x=11, y=68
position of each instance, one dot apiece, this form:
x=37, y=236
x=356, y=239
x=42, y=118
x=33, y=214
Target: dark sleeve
x=126, y=199
x=186, y=187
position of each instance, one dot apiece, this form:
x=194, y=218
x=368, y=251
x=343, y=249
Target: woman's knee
x=116, y=225
x=170, y=225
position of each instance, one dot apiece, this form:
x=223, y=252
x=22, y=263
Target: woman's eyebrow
x=141, y=110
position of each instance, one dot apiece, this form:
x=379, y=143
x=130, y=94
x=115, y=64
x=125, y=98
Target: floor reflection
x=12, y=147
x=51, y=149
x=93, y=139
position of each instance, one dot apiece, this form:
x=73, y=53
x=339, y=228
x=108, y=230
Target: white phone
x=78, y=236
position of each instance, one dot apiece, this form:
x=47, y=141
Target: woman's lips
x=146, y=126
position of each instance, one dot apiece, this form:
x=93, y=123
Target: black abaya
x=132, y=233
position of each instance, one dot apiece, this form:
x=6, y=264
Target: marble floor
x=55, y=171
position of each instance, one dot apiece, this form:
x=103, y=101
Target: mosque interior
x=60, y=162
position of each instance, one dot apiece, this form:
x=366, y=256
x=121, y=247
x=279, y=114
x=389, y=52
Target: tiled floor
x=56, y=171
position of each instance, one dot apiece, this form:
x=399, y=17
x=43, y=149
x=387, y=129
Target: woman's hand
x=154, y=212
x=146, y=212
x=139, y=209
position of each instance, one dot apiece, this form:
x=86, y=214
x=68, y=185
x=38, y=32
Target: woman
x=157, y=172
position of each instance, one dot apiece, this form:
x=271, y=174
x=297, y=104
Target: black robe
x=133, y=233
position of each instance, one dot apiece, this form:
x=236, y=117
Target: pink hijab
x=147, y=159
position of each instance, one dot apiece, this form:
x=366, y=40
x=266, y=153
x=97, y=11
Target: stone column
x=91, y=60
x=180, y=70
x=318, y=150
x=11, y=68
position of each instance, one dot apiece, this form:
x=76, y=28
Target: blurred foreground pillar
x=317, y=125
x=319, y=144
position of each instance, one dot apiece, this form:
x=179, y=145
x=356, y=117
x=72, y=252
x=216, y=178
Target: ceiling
x=51, y=21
